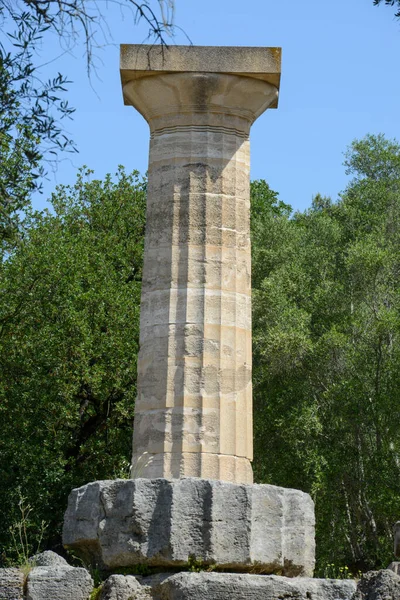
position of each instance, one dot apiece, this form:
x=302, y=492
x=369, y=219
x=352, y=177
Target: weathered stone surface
x=225, y=586
x=230, y=586
x=59, y=583
x=395, y=567
x=121, y=587
x=163, y=523
x=396, y=538
x=127, y=587
x=378, y=585
x=193, y=413
x=11, y=584
x=48, y=559
x=138, y=60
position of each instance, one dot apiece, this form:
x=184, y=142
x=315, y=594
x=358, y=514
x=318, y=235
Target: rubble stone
x=11, y=584
x=59, y=583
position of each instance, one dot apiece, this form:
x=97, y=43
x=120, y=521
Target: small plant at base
x=93, y=568
x=138, y=569
x=143, y=461
x=332, y=571
x=20, y=537
x=96, y=574
x=258, y=568
x=196, y=565
x=143, y=570
x=76, y=560
x=123, y=471
x=95, y=595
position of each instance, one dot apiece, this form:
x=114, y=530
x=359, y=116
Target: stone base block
x=164, y=523
x=231, y=586
x=225, y=586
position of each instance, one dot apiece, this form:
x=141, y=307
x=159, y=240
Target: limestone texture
x=165, y=523
x=227, y=586
x=129, y=587
x=139, y=60
x=121, y=587
x=58, y=583
x=53, y=584
x=378, y=585
x=193, y=413
x=11, y=584
x=48, y=559
x=231, y=586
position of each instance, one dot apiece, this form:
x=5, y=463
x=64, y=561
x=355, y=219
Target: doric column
x=193, y=414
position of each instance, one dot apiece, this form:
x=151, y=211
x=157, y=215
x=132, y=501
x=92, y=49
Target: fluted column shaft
x=193, y=414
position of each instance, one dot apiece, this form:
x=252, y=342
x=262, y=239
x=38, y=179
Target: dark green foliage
x=30, y=130
x=327, y=357
x=69, y=311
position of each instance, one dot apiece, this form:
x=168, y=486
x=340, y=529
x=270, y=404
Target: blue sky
x=340, y=81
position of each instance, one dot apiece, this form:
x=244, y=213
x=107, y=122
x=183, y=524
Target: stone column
x=193, y=414
x=193, y=422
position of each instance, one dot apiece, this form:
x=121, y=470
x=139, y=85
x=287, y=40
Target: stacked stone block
x=193, y=413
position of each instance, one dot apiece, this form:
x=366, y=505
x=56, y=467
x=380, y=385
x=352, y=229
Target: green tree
x=33, y=111
x=69, y=314
x=29, y=131
x=326, y=358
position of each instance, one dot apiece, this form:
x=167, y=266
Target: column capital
x=200, y=85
